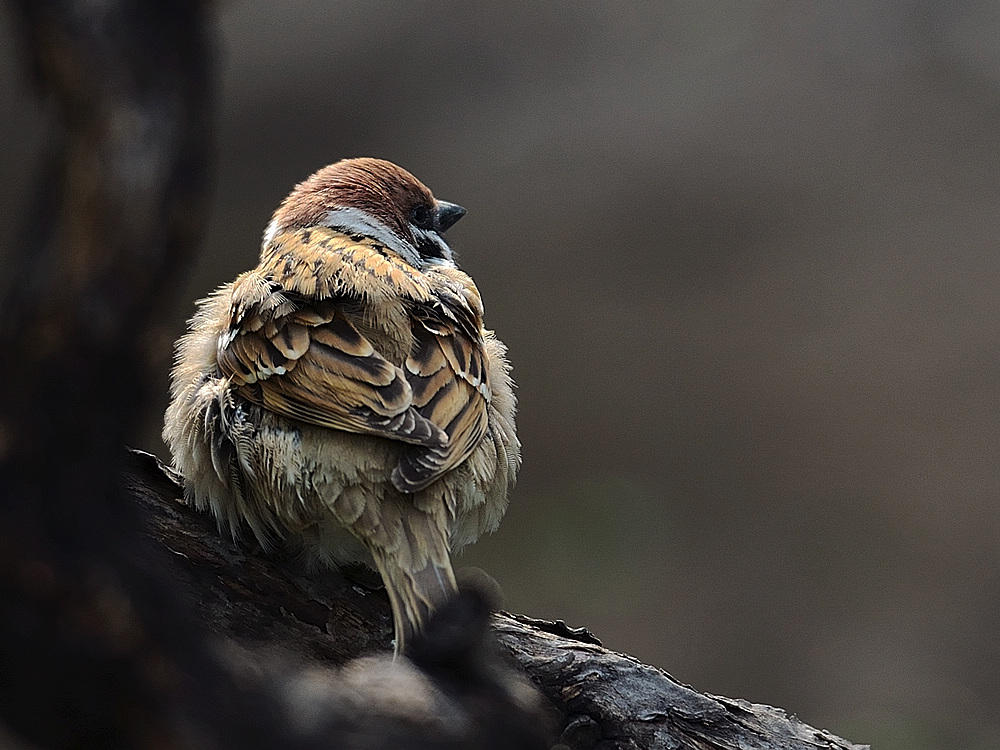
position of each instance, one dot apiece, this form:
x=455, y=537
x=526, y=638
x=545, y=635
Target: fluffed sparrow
x=344, y=396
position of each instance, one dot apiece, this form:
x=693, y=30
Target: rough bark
x=603, y=699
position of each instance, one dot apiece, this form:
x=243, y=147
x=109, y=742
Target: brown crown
x=380, y=188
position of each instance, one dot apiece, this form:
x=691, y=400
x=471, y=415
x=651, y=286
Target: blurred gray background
x=745, y=257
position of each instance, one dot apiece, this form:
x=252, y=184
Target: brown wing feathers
x=306, y=360
x=446, y=373
x=313, y=365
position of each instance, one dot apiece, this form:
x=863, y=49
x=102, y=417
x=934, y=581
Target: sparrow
x=343, y=397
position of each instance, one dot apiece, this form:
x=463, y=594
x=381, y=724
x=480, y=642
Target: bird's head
x=372, y=198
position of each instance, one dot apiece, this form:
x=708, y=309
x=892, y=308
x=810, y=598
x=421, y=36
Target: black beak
x=446, y=214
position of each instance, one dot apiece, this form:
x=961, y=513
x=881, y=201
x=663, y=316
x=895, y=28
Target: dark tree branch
x=605, y=699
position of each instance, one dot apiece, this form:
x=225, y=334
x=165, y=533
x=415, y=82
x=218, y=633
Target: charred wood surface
x=603, y=699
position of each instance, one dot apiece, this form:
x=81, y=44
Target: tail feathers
x=418, y=576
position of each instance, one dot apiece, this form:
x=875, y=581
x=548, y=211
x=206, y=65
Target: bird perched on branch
x=344, y=396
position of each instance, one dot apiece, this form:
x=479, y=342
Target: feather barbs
x=325, y=263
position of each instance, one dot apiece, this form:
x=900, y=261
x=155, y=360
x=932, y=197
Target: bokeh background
x=745, y=257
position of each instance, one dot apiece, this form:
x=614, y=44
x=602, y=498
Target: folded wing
x=305, y=360
x=447, y=373
x=311, y=364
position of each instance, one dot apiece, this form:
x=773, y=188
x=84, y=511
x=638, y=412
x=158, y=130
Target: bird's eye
x=422, y=216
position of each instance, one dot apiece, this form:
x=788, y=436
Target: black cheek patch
x=429, y=249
